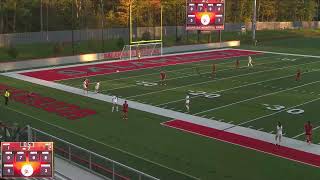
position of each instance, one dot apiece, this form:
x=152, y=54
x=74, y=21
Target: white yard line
x=180, y=77
x=257, y=97
x=237, y=87
x=292, y=107
x=176, y=70
x=204, y=82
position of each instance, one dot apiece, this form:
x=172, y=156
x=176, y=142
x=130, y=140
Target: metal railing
x=89, y=160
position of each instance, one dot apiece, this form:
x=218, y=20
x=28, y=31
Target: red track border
x=247, y=142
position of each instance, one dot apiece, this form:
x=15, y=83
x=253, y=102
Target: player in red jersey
x=86, y=86
x=308, y=130
x=214, y=70
x=237, y=64
x=298, y=76
x=163, y=77
x=125, y=108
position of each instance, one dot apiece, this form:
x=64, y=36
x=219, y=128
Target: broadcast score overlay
x=205, y=15
x=27, y=159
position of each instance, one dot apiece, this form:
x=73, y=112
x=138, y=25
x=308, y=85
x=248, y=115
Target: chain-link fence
x=89, y=160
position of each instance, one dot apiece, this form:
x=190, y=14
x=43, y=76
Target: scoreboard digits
x=205, y=15
x=26, y=159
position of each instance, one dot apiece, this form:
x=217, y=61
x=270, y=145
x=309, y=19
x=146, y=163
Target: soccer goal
x=139, y=51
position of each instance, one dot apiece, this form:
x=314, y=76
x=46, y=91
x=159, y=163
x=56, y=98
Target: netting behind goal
x=139, y=51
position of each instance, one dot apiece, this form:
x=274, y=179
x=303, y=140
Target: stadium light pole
x=72, y=19
x=254, y=20
x=41, y=17
x=102, y=24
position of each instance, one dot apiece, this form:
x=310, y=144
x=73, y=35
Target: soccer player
x=250, y=61
x=188, y=103
x=125, y=108
x=97, y=87
x=279, y=134
x=308, y=129
x=138, y=52
x=115, y=103
x=237, y=64
x=214, y=70
x=163, y=77
x=6, y=97
x=85, y=86
x=298, y=76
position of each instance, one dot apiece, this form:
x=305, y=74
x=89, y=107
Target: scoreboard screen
x=205, y=15
x=26, y=159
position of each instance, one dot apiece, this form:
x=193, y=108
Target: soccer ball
x=117, y=70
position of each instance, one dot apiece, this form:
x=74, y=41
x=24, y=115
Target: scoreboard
x=205, y=15
x=26, y=159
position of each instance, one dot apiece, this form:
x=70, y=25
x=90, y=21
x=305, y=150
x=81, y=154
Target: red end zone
x=122, y=66
x=258, y=145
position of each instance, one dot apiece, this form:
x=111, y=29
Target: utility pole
x=102, y=24
x=254, y=20
x=41, y=17
x=72, y=19
x=47, y=3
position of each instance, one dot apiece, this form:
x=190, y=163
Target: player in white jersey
x=97, y=87
x=250, y=61
x=279, y=133
x=115, y=103
x=188, y=103
x=85, y=86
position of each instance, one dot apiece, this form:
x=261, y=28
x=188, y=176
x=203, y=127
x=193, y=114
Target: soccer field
x=256, y=97
x=252, y=97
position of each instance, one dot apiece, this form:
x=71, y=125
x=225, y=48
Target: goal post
x=138, y=51
x=145, y=34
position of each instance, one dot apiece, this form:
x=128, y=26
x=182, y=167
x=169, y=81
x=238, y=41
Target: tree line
x=51, y=15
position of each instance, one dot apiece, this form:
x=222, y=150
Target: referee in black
x=6, y=97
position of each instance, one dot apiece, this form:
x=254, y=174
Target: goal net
x=139, y=51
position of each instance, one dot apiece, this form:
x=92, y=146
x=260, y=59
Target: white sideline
x=279, y=53
x=263, y=136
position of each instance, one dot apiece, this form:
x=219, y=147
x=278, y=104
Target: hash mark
x=260, y=129
x=271, y=132
x=230, y=122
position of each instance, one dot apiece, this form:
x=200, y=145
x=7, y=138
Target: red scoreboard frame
x=27, y=159
x=205, y=15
